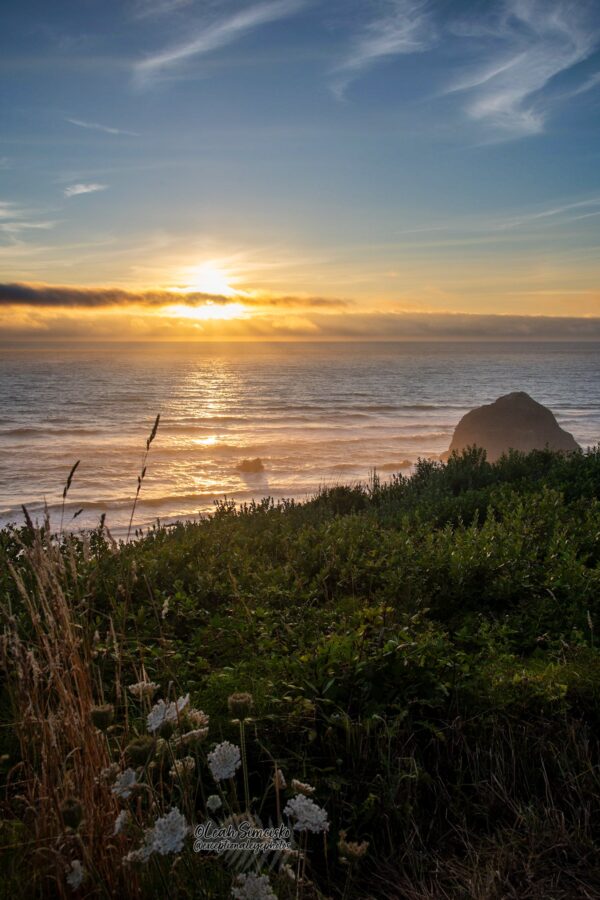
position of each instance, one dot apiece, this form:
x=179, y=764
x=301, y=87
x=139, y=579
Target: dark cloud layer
x=45, y=295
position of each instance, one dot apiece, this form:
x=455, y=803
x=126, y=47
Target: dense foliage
x=422, y=651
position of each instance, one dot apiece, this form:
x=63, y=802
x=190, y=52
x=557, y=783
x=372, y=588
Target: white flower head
x=169, y=833
x=166, y=713
x=143, y=689
x=76, y=875
x=121, y=821
x=125, y=783
x=300, y=787
x=166, y=836
x=306, y=814
x=213, y=803
x=224, y=761
x=249, y=886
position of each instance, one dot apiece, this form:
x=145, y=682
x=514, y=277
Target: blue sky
x=403, y=156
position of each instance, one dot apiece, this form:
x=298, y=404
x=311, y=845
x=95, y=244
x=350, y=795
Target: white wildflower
x=76, y=875
x=169, y=833
x=306, y=814
x=166, y=836
x=213, y=803
x=125, y=783
x=252, y=887
x=183, y=767
x=165, y=609
x=157, y=716
x=166, y=713
x=143, y=689
x=300, y=787
x=224, y=760
x=121, y=821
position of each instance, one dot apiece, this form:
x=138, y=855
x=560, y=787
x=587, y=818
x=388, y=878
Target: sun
x=212, y=279
x=208, y=278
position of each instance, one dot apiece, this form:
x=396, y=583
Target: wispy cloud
x=95, y=126
x=214, y=36
x=553, y=213
x=15, y=219
x=74, y=190
x=588, y=85
x=148, y=8
x=405, y=26
x=527, y=45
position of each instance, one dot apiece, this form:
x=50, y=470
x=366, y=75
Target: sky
x=299, y=169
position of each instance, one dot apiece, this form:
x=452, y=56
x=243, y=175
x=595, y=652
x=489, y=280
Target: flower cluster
x=124, y=785
x=213, y=803
x=224, y=761
x=166, y=713
x=183, y=767
x=190, y=737
x=197, y=718
x=121, y=821
x=166, y=836
x=306, y=814
x=249, y=886
x=351, y=850
x=300, y=787
x=143, y=689
x=169, y=833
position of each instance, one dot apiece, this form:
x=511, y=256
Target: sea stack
x=514, y=421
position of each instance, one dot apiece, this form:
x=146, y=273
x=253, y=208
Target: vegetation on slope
x=423, y=652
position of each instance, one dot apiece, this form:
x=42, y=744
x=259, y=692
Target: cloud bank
x=58, y=296
x=46, y=312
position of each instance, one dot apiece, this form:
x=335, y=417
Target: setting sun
x=208, y=279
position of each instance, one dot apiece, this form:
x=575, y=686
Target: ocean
x=316, y=414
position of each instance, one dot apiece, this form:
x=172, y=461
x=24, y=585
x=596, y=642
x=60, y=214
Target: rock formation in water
x=251, y=465
x=514, y=421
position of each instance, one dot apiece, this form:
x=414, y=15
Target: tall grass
x=62, y=754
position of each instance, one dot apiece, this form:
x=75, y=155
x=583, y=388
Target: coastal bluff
x=513, y=422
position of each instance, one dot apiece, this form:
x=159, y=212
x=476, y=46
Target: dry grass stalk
x=142, y=474
x=47, y=660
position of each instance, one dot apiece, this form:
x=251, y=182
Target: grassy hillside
x=422, y=652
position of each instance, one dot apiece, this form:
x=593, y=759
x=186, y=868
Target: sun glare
x=208, y=279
